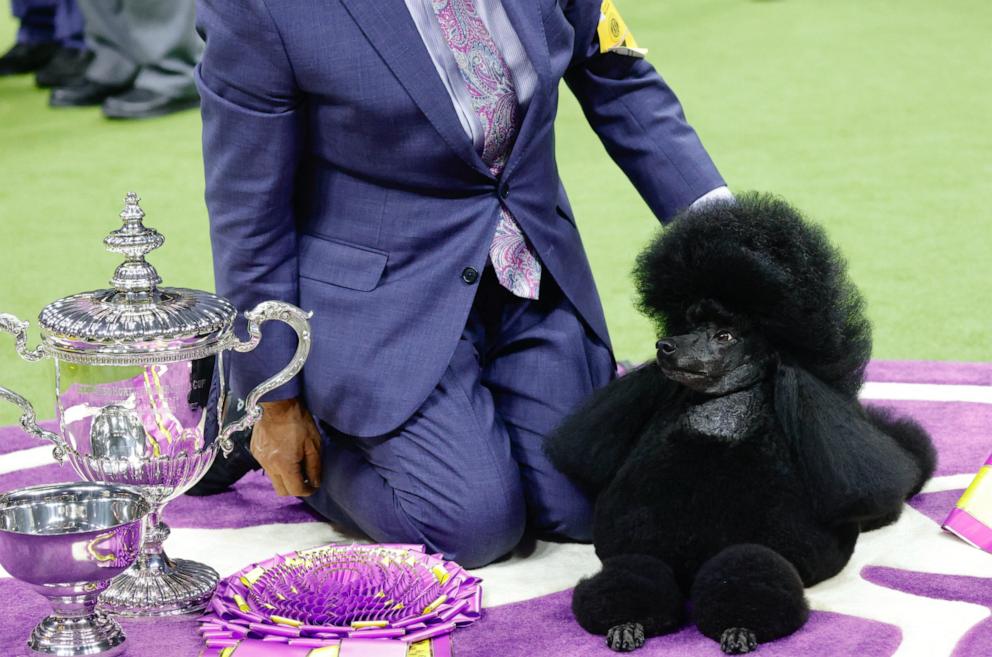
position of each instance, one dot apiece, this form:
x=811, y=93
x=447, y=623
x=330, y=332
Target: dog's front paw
x=738, y=640
x=625, y=637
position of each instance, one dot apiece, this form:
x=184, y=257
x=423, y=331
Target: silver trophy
x=66, y=541
x=133, y=372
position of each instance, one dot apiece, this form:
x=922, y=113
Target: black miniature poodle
x=739, y=467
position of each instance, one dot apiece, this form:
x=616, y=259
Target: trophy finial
x=134, y=240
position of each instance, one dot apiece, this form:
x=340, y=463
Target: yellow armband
x=614, y=35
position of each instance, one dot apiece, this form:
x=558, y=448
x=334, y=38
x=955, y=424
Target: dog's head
x=772, y=271
x=721, y=353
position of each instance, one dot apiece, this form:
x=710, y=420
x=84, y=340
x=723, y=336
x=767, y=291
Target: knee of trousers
x=473, y=532
x=571, y=519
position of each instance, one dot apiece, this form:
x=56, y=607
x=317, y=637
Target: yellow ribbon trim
x=434, y=605
x=441, y=574
x=358, y=625
x=976, y=483
x=421, y=649
x=325, y=651
x=282, y=620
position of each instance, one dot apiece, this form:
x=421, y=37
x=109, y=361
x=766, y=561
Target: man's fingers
x=277, y=484
x=294, y=483
x=311, y=461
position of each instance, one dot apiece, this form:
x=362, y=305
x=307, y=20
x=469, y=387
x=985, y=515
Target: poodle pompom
x=758, y=257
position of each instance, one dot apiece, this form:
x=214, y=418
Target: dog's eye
x=724, y=336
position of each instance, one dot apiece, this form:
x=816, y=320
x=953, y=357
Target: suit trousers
x=45, y=21
x=150, y=43
x=467, y=474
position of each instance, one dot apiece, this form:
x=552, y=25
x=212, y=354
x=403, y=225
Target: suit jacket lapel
x=387, y=24
x=525, y=16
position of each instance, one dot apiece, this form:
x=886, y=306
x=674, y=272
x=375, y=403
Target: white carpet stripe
x=26, y=458
x=927, y=392
x=930, y=627
x=948, y=482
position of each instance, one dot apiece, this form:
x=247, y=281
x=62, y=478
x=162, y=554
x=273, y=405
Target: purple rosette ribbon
x=342, y=600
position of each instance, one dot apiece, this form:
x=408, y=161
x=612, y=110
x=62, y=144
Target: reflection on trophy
x=133, y=370
x=117, y=434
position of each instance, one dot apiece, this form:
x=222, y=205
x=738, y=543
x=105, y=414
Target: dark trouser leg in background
x=36, y=43
x=748, y=594
x=144, y=55
x=633, y=597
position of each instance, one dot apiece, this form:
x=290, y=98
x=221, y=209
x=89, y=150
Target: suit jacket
x=339, y=178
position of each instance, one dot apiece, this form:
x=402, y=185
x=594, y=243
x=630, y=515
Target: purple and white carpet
x=910, y=590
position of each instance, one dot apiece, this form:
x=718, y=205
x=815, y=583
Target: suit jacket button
x=505, y=192
x=470, y=275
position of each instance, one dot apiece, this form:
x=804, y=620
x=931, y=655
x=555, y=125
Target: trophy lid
x=136, y=322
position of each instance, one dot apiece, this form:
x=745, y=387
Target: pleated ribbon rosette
x=342, y=601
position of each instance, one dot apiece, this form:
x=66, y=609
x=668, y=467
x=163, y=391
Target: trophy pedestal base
x=158, y=586
x=95, y=634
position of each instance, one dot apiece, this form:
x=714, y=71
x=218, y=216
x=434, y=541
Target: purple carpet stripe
x=960, y=588
x=252, y=502
x=962, y=431
x=145, y=638
x=936, y=506
x=930, y=371
x=544, y=627
x=13, y=438
x=46, y=474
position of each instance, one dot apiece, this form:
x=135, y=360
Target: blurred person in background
x=144, y=52
x=49, y=42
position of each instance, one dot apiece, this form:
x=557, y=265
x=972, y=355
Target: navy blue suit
x=339, y=178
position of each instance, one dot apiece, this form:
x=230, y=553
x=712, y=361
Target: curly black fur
x=739, y=467
x=759, y=259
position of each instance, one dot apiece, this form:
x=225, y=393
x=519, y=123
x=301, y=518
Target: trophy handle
x=299, y=321
x=19, y=329
x=29, y=420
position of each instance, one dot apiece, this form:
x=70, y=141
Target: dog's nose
x=666, y=346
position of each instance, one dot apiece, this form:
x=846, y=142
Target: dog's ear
x=854, y=472
x=592, y=443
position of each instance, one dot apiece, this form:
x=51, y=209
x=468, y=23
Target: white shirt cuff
x=718, y=194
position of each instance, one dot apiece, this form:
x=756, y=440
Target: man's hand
x=287, y=445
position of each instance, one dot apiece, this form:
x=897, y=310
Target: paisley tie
x=494, y=99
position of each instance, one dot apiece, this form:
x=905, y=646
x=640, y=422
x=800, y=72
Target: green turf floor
x=872, y=115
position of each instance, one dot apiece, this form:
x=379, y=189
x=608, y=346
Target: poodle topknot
x=758, y=258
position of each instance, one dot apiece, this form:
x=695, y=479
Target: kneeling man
x=391, y=167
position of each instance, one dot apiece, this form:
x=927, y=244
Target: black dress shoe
x=67, y=67
x=225, y=472
x=83, y=93
x=145, y=103
x=26, y=57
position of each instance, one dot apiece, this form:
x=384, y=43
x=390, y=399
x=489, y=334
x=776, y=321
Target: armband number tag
x=614, y=35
